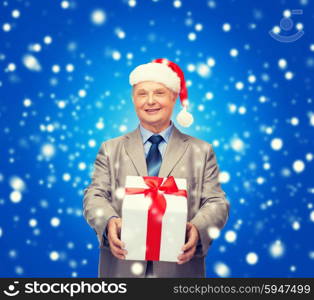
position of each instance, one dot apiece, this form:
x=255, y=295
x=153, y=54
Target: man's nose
x=151, y=99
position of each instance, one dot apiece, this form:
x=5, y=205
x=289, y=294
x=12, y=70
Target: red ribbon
x=155, y=192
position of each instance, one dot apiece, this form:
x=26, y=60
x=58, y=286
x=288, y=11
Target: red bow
x=156, y=210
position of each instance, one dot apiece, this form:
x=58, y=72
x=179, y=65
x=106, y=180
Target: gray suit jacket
x=184, y=157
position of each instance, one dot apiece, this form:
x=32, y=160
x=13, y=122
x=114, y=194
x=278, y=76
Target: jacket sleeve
x=214, y=208
x=97, y=208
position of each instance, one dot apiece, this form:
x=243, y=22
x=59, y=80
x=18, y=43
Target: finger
x=118, y=250
x=182, y=258
x=189, y=244
x=192, y=239
x=113, y=236
x=118, y=230
x=115, y=252
x=188, y=230
x=119, y=224
x=118, y=256
x=181, y=262
x=188, y=226
x=185, y=257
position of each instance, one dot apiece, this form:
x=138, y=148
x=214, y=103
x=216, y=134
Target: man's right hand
x=116, y=245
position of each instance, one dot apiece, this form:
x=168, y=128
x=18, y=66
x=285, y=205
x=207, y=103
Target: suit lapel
x=176, y=147
x=135, y=149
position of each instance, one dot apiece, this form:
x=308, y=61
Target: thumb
x=118, y=225
x=188, y=226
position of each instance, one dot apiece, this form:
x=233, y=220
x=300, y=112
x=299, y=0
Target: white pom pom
x=184, y=118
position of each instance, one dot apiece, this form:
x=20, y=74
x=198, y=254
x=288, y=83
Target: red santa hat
x=170, y=74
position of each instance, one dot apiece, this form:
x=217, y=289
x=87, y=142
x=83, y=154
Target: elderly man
x=156, y=148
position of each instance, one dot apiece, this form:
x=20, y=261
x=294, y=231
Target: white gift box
x=141, y=231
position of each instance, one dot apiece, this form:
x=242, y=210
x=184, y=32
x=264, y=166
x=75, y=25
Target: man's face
x=153, y=102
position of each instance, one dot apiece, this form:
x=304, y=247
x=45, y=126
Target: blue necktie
x=153, y=161
x=154, y=158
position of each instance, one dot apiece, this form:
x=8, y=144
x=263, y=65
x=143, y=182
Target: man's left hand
x=190, y=246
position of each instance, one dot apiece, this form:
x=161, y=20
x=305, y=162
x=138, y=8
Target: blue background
x=47, y=150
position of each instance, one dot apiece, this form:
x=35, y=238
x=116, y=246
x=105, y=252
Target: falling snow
x=63, y=94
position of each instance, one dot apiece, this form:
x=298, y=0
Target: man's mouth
x=152, y=110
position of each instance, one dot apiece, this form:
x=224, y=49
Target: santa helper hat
x=167, y=72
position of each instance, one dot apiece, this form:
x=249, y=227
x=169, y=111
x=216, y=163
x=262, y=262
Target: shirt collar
x=146, y=134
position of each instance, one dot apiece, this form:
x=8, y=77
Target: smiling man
x=154, y=104
x=156, y=148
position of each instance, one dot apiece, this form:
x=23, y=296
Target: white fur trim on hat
x=184, y=118
x=156, y=72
